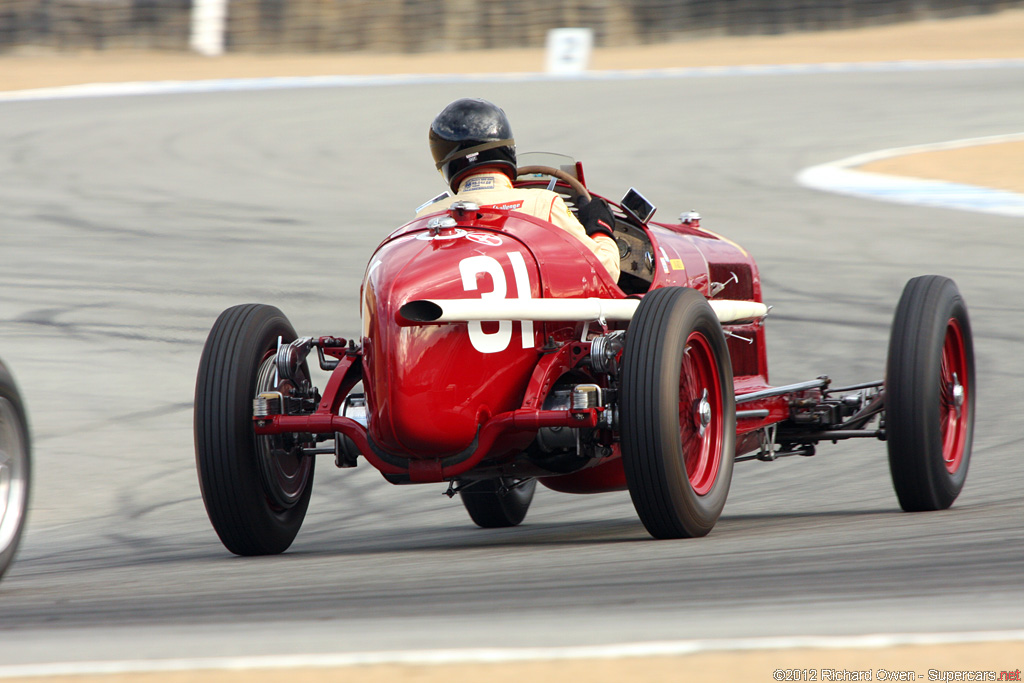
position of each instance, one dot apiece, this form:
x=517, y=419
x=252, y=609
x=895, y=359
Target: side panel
x=711, y=264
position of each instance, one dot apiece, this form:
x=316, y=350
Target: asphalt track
x=130, y=223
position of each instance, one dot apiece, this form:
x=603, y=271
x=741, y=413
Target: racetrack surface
x=130, y=223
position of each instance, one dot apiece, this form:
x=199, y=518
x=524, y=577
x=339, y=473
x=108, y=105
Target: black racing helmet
x=470, y=133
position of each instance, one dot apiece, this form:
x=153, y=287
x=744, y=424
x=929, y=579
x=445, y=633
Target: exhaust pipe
x=729, y=312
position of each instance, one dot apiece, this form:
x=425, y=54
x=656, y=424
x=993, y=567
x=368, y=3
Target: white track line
x=289, y=82
x=842, y=177
x=501, y=655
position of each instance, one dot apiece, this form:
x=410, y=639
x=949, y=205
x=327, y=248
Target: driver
x=472, y=144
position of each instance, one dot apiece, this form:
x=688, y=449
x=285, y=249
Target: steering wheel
x=572, y=182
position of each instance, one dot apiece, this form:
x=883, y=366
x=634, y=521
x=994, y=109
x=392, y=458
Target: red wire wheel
x=929, y=394
x=677, y=414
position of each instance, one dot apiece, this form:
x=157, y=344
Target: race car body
x=497, y=351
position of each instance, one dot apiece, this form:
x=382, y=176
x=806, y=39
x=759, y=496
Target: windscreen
x=562, y=162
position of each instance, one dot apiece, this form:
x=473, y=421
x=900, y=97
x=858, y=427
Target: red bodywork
x=463, y=400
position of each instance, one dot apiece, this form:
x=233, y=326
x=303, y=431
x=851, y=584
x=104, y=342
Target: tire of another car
x=15, y=468
x=252, y=511
x=676, y=369
x=497, y=503
x=930, y=394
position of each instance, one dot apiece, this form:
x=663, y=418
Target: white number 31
x=495, y=342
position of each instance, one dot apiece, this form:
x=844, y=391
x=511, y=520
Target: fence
x=427, y=25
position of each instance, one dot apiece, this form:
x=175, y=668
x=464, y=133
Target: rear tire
x=678, y=414
x=256, y=492
x=929, y=394
x=15, y=468
x=492, y=508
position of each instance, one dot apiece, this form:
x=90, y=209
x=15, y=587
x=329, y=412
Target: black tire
x=255, y=493
x=496, y=503
x=15, y=468
x=929, y=394
x=678, y=476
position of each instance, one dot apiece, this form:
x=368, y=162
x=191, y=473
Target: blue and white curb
x=842, y=177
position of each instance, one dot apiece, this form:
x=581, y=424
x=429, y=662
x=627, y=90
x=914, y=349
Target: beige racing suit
x=495, y=190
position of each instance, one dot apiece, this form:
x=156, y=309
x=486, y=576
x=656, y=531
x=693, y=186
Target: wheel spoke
x=699, y=408
x=952, y=397
x=687, y=395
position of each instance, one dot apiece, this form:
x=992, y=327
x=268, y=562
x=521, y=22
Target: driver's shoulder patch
x=478, y=183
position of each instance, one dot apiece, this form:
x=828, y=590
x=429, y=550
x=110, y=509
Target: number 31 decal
x=495, y=342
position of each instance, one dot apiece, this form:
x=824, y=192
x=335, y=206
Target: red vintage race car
x=496, y=352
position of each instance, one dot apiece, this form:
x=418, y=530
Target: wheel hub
x=702, y=413
x=956, y=390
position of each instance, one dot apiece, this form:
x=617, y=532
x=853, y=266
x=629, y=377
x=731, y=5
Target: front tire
x=15, y=468
x=929, y=394
x=256, y=489
x=678, y=414
x=498, y=503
